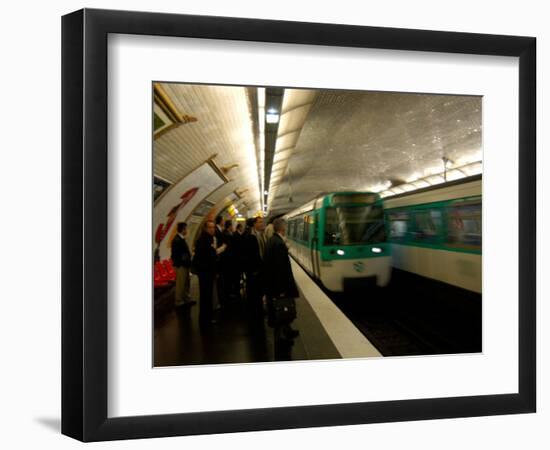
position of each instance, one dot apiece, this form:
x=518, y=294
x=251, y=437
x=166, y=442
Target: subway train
x=339, y=238
x=435, y=233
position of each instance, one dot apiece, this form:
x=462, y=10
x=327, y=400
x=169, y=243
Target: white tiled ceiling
x=356, y=140
x=327, y=140
x=295, y=109
x=224, y=127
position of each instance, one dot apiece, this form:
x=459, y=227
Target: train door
x=315, y=245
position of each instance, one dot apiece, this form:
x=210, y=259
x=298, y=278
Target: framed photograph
x=273, y=224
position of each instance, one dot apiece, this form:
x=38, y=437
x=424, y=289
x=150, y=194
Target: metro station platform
x=239, y=337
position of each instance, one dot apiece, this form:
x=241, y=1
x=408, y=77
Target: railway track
x=413, y=325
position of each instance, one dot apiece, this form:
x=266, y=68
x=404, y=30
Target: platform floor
x=238, y=337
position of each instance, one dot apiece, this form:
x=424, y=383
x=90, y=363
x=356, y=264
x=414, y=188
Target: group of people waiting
x=224, y=258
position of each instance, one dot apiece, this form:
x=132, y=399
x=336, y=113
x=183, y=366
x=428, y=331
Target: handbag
x=284, y=309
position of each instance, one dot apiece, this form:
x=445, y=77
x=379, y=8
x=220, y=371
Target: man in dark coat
x=278, y=278
x=221, y=247
x=205, y=265
x=229, y=263
x=253, y=246
x=220, y=239
x=181, y=260
x=238, y=252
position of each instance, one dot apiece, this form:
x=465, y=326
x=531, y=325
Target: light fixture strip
x=385, y=189
x=261, y=138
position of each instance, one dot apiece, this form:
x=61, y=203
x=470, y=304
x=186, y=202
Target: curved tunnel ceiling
x=327, y=140
x=361, y=140
x=295, y=109
x=224, y=127
x=225, y=196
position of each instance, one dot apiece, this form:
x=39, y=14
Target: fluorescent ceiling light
x=261, y=97
x=454, y=175
x=407, y=187
x=472, y=169
x=272, y=117
x=435, y=179
x=419, y=184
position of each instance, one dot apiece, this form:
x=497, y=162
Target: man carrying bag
x=280, y=286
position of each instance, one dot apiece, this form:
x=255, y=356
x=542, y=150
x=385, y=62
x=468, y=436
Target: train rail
x=423, y=320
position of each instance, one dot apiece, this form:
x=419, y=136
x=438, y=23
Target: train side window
x=427, y=225
x=398, y=222
x=306, y=228
x=464, y=226
x=300, y=229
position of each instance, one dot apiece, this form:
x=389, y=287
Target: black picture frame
x=84, y=224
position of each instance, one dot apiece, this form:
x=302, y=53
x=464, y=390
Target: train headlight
x=340, y=252
x=376, y=250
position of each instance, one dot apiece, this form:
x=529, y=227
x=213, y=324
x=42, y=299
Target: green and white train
x=436, y=233
x=433, y=233
x=341, y=236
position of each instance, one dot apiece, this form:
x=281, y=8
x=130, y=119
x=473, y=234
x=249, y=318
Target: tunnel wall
x=178, y=202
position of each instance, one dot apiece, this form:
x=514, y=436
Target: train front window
x=349, y=225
